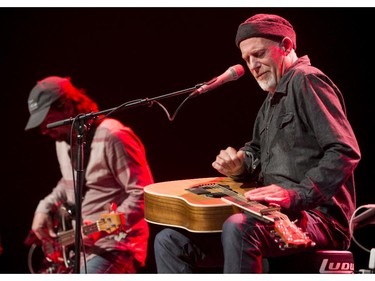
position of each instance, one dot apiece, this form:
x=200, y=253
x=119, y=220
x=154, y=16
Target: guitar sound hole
x=206, y=190
x=198, y=190
x=215, y=195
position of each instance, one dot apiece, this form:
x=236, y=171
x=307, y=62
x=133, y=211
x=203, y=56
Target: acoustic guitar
x=202, y=205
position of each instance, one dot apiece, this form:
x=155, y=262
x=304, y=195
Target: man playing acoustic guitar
x=303, y=153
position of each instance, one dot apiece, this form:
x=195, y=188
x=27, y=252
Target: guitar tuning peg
x=306, y=235
x=282, y=246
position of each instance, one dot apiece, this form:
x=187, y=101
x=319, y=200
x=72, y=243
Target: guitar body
x=50, y=256
x=38, y=263
x=185, y=204
x=58, y=253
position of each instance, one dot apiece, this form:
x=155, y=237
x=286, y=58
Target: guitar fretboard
x=262, y=212
x=91, y=228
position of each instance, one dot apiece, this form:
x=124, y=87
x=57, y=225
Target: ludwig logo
x=336, y=267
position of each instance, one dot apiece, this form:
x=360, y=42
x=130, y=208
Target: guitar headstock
x=290, y=234
x=111, y=222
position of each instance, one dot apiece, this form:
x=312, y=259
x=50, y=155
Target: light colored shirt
x=116, y=172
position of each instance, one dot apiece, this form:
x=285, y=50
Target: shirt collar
x=282, y=86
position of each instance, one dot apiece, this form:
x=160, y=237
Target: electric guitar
x=58, y=252
x=202, y=205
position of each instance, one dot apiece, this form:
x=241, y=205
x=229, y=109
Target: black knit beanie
x=268, y=26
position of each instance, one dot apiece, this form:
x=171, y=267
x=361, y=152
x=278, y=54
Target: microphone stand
x=81, y=129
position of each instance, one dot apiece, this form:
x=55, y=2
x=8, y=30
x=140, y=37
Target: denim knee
x=233, y=225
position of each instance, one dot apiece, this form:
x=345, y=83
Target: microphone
x=232, y=73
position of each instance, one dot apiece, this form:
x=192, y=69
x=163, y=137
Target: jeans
x=245, y=241
x=111, y=262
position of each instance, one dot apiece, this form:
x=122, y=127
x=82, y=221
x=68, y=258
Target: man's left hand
x=270, y=194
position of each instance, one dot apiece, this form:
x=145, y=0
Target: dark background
x=123, y=54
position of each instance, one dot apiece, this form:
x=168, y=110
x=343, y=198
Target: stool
x=322, y=261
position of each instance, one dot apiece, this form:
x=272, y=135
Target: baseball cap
x=43, y=95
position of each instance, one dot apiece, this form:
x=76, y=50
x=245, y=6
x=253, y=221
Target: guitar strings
x=255, y=204
x=65, y=238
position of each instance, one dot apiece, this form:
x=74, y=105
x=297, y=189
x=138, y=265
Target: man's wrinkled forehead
x=256, y=44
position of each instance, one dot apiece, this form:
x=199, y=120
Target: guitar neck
x=291, y=235
x=58, y=250
x=262, y=212
x=67, y=238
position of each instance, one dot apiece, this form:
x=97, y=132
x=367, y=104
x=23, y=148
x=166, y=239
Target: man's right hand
x=43, y=226
x=230, y=162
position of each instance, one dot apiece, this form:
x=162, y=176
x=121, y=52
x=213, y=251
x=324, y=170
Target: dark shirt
x=303, y=142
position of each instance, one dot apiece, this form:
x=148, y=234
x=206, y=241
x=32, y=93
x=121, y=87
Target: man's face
x=264, y=58
x=60, y=133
